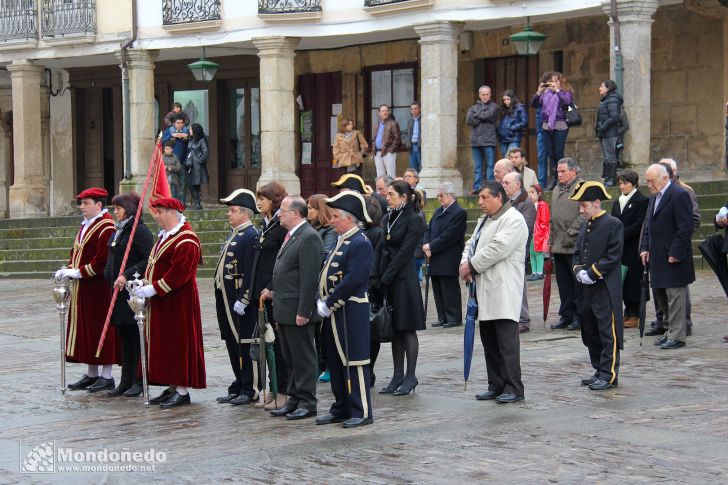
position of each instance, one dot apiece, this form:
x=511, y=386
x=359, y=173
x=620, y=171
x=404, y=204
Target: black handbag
x=381, y=320
x=573, y=117
x=255, y=347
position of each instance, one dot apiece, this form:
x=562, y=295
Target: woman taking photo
x=396, y=277
x=541, y=232
x=607, y=128
x=514, y=119
x=270, y=241
x=122, y=317
x=554, y=98
x=196, y=164
x=349, y=147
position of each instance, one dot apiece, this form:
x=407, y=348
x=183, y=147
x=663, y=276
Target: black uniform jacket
x=446, y=236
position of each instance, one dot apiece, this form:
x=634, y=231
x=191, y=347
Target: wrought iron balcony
x=189, y=11
x=60, y=18
x=376, y=3
x=18, y=20
x=288, y=6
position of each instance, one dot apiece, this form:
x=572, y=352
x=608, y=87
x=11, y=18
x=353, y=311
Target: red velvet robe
x=90, y=296
x=174, y=325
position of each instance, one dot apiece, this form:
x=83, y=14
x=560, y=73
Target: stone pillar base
x=288, y=179
x=28, y=201
x=432, y=177
x=134, y=184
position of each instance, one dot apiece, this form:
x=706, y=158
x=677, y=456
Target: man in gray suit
x=294, y=290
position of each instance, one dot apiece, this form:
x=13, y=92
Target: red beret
x=93, y=193
x=168, y=203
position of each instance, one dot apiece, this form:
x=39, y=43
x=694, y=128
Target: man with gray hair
x=443, y=244
x=513, y=185
x=501, y=168
x=482, y=117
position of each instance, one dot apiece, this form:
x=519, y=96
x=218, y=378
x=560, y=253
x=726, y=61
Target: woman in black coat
x=396, y=277
x=607, y=128
x=122, y=317
x=196, y=164
x=631, y=208
x=375, y=233
x=270, y=241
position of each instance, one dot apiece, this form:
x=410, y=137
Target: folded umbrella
x=711, y=249
x=471, y=316
x=548, y=268
x=426, y=273
x=644, y=298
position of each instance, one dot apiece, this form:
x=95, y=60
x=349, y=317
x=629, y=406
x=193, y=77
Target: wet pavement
x=667, y=421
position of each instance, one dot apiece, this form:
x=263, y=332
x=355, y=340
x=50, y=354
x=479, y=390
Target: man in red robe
x=90, y=295
x=174, y=326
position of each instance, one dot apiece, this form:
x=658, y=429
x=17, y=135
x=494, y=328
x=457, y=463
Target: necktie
x=288, y=236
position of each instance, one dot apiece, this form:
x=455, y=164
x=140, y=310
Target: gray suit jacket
x=295, y=277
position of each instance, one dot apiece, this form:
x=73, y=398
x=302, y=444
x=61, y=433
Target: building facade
x=291, y=71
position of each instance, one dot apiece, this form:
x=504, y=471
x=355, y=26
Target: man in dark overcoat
x=232, y=280
x=344, y=306
x=597, y=266
x=444, y=243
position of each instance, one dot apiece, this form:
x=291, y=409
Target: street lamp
x=204, y=70
x=527, y=41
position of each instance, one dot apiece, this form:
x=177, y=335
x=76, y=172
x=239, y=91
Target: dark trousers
x=131, y=352
x=554, y=142
x=358, y=402
x=569, y=291
x=246, y=380
x=599, y=332
x=502, y=355
x=282, y=366
x=299, y=351
x=446, y=290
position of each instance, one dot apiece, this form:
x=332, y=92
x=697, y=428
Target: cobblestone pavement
x=667, y=421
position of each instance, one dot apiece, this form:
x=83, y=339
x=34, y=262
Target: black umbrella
x=426, y=273
x=644, y=298
x=711, y=249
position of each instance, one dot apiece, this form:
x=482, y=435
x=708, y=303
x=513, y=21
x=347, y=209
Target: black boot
x=197, y=196
x=610, y=173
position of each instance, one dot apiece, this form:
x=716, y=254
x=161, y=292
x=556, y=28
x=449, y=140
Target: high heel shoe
x=392, y=387
x=406, y=388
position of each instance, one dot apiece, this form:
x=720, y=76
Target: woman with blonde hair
x=349, y=147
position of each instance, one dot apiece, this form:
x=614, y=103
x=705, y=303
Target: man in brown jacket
x=386, y=142
x=565, y=224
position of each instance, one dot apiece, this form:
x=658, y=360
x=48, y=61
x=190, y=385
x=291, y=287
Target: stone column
x=29, y=194
x=635, y=19
x=140, y=64
x=439, y=102
x=277, y=111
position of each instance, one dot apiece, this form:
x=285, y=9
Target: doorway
x=239, y=136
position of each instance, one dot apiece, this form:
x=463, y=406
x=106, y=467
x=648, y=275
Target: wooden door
x=519, y=73
x=319, y=92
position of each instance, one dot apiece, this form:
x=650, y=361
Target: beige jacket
x=349, y=152
x=529, y=178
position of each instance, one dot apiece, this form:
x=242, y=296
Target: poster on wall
x=306, y=153
x=334, y=128
x=307, y=125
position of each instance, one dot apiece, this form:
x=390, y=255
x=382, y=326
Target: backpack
x=623, y=123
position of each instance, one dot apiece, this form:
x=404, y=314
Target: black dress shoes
x=601, y=385
x=391, y=387
x=135, y=390
x=301, y=413
x=672, y=344
x=226, y=399
x=656, y=330
x=561, y=325
x=166, y=394
x=437, y=324
x=120, y=389
x=575, y=325
x=661, y=340
x=451, y=325
x=82, y=383
x=508, y=398
x=487, y=396
x=102, y=384
x=175, y=400
x=406, y=388
x=241, y=399
x=589, y=381
x=356, y=422
x=329, y=419
x=281, y=412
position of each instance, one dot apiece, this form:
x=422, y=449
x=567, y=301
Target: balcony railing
x=18, y=20
x=67, y=17
x=288, y=6
x=376, y=3
x=189, y=11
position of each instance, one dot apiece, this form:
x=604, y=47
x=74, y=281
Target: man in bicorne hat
x=232, y=281
x=90, y=295
x=597, y=266
x=344, y=305
x=174, y=326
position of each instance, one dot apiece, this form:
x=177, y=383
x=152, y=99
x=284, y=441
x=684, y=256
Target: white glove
x=71, y=273
x=583, y=277
x=147, y=291
x=239, y=308
x=323, y=310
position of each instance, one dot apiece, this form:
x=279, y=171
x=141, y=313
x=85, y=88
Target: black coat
x=446, y=236
x=136, y=263
x=196, y=165
x=328, y=237
x=375, y=234
x=668, y=232
x=271, y=240
x=395, y=268
x=608, y=113
x=632, y=217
